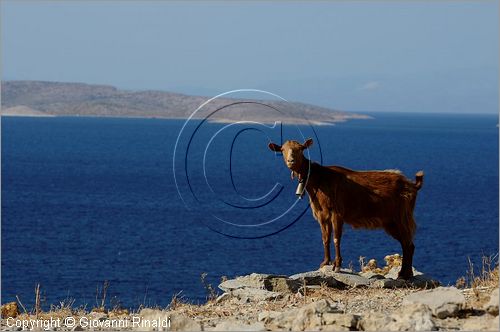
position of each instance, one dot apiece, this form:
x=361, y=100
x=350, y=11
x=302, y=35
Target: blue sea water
x=91, y=199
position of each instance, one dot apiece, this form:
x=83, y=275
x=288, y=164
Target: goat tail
x=419, y=179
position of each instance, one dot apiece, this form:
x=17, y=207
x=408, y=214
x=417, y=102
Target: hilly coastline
x=39, y=98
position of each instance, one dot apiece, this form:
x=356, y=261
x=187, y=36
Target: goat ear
x=274, y=147
x=308, y=143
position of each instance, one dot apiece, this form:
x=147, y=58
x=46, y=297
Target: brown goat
x=363, y=199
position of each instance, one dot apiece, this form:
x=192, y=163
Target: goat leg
x=326, y=235
x=337, y=229
x=406, y=271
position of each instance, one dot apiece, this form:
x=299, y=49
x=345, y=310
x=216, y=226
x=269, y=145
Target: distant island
x=39, y=98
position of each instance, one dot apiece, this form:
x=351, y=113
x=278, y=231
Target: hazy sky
x=355, y=56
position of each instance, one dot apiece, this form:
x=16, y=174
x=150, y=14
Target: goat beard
x=295, y=174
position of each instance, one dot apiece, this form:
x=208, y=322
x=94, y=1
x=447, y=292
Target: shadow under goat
x=362, y=199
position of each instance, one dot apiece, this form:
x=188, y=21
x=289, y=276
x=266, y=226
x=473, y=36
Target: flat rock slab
x=282, y=284
x=324, y=276
x=327, y=276
x=255, y=294
x=317, y=278
x=328, y=269
x=423, y=281
x=352, y=279
x=388, y=283
x=259, y=287
x=393, y=273
x=420, y=281
x=443, y=301
x=390, y=280
x=254, y=280
x=270, y=282
x=371, y=275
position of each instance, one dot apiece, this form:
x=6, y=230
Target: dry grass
x=100, y=297
x=478, y=283
x=488, y=275
x=176, y=301
x=38, y=307
x=211, y=292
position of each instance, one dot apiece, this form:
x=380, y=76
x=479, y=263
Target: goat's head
x=292, y=153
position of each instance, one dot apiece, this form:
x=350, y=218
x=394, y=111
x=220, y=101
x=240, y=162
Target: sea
x=153, y=209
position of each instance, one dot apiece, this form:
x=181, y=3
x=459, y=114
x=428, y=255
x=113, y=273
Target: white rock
x=268, y=315
x=375, y=321
x=492, y=306
x=254, y=280
x=394, y=271
x=371, y=275
x=223, y=297
x=234, y=325
x=316, y=278
x=414, y=317
x=352, y=279
x=419, y=279
x=308, y=317
x=183, y=323
x=338, y=322
x=177, y=322
x=481, y=323
x=270, y=282
x=100, y=316
x=443, y=301
x=255, y=294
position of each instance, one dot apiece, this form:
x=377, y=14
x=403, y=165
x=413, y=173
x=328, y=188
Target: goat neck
x=303, y=171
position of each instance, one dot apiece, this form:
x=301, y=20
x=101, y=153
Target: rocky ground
x=318, y=300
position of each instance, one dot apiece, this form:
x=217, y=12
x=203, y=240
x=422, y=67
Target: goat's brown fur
x=363, y=199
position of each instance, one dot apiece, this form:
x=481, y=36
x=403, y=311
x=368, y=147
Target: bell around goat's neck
x=300, y=189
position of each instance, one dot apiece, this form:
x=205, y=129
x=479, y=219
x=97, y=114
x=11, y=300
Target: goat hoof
x=336, y=265
x=405, y=276
x=323, y=263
